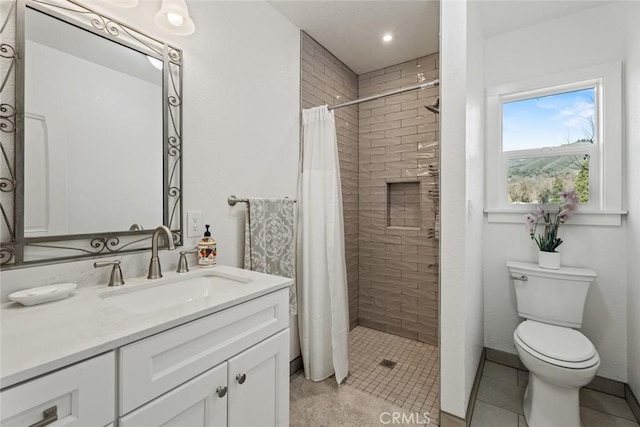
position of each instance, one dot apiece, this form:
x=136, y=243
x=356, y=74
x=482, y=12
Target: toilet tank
x=556, y=297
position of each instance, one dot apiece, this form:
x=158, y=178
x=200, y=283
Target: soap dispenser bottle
x=207, y=250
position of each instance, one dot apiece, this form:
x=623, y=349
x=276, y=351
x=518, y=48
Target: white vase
x=549, y=260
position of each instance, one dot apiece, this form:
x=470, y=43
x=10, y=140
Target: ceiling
x=353, y=30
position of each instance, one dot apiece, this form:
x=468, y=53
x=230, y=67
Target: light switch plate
x=194, y=224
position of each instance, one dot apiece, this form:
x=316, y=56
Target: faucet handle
x=183, y=266
x=116, y=278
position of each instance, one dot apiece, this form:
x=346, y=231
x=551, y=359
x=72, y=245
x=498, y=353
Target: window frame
x=605, y=164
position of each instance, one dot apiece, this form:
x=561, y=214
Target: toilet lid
x=556, y=342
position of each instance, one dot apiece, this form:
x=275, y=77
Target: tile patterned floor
x=412, y=384
x=499, y=402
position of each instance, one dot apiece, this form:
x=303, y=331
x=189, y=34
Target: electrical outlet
x=194, y=224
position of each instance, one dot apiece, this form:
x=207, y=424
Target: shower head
x=435, y=108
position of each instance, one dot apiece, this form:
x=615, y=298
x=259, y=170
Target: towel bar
x=232, y=200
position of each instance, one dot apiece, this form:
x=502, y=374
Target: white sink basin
x=164, y=293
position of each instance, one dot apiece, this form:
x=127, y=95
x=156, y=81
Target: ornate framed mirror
x=90, y=134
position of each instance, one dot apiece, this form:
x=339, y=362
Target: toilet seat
x=556, y=345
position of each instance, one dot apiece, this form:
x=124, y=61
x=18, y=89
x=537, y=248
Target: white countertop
x=38, y=339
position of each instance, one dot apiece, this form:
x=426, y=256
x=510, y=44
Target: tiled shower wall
x=326, y=80
x=398, y=202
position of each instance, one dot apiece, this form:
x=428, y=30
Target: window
x=552, y=134
x=548, y=141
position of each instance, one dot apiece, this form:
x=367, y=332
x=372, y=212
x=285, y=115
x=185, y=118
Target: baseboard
x=632, y=400
x=504, y=358
x=606, y=385
x=601, y=384
x=448, y=420
x=476, y=385
x=295, y=365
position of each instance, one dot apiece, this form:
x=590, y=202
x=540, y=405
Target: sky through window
x=548, y=121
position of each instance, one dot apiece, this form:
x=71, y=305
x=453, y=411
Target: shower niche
x=403, y=205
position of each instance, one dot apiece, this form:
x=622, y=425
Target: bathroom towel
x=269, y=240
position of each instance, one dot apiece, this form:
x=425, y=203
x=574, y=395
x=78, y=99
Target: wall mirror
x=91, y=126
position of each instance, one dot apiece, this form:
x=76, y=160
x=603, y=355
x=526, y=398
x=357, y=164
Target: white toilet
x=559, y=358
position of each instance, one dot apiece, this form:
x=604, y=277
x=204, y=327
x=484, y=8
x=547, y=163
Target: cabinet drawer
x=83, y=395
x=155, y=365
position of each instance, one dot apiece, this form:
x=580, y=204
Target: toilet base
x=549, y=405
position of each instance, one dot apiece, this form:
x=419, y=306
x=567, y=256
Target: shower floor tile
x=413, y=383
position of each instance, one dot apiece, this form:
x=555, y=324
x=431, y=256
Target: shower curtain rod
x=426, y=85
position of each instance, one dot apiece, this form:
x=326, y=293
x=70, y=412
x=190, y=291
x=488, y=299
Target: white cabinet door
x=201, y=402
x=259, y=384
x=80, y=395
x=155, y=365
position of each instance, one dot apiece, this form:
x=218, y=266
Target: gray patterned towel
x=269, y=240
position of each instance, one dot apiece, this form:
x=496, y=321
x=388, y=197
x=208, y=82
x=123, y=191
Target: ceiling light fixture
x=387, y=38
x=173, y=17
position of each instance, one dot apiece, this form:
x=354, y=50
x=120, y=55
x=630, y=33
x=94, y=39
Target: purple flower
x=547, y=240
x=570, y=197
x=566, y=214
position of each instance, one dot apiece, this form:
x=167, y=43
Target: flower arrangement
x=548, y=240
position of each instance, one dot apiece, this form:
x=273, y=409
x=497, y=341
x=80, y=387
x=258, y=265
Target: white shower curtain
x=323, y=313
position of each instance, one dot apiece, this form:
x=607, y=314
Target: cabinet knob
x=241, y=378
x=222, y=391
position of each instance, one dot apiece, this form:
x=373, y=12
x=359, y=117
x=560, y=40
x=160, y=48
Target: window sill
x=611, y=219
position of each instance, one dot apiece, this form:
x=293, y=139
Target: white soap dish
x=43, y=294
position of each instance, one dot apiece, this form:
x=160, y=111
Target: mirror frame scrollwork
x=15, y=249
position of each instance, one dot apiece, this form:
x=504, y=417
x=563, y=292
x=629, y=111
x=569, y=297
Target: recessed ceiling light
x=387, y=37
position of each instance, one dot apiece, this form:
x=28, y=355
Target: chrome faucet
x=155, y=272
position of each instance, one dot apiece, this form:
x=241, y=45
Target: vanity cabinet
x=227, y=369
x=251, y=389
x=80, y=395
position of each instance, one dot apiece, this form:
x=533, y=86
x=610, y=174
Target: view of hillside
x=540, y=179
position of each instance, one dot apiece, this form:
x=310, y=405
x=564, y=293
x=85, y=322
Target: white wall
x=241, y=127
x=475, y=196
x=461, y=192
x=632, y=104
x=587, y=38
